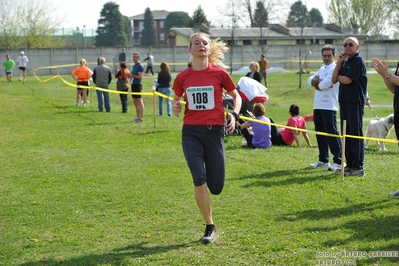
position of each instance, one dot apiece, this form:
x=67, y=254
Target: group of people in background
x=263, y=135
x=22, y=64
x=258, y=70
x=102, y=77
x=342, y=84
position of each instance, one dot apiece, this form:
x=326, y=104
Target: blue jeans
x=167, y=92
x=326, y=121
x=123, y=98
x=354, y=152
x=100, y=96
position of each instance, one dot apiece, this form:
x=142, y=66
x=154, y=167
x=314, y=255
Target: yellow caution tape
x=318, y=132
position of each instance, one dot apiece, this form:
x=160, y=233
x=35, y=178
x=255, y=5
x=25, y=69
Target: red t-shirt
x=286, y=133
x=203, y=94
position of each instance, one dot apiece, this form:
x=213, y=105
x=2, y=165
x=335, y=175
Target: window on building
x=300, y=41
x=161, y=24
x=141, y=25
x=317, y=41
x=162, y=36
x=328, y=41
x=262, y=42
x=246, y=42
x=137, y=42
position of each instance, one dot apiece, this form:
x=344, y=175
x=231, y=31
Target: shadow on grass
x=371, y=230
x=288, y=177
x=376, y=151
x=364, y=230
x=115, y=257
x=320, y=214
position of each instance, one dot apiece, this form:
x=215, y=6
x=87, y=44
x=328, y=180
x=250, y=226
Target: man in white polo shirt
x=325, y=111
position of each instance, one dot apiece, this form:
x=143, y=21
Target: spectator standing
x=22, y=62
x=202, y=85
x=254, y=71
x=8, y=64
x=82, y=75
x=286, y=136
x=124, y=73
x=351, y=72
x=137, y=75
x=102, y=78
x=263, y=68
x=325, y=111
x=150, y=63
x=257, y=135
x=164, y=79
x=392, y=83
x=122, y=55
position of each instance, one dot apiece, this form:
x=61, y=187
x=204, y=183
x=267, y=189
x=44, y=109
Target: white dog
x=380, y=128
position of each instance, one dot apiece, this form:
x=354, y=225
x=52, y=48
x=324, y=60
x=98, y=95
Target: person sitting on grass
x=257, y=135
x=287, y=136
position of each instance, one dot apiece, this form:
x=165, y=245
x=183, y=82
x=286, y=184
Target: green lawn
x=79, y=187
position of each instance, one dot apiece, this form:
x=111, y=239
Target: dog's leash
x=378, y=118
x=373, y=112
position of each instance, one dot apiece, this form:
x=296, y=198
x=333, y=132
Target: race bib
x=201, y=98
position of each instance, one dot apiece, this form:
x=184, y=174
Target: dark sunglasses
x=348, y=44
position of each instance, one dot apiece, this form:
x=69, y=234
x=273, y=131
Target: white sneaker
x=334, y=167
x=319, y=164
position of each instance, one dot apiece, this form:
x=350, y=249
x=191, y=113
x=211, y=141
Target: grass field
x=79, y=187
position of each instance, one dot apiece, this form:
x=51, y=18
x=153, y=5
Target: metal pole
x=83, y=33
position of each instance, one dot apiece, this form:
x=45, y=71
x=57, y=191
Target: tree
x=261, y=20
x=366, y=16
x=315, y=18
x=298, y=18
x=177, y=19
x=246, y=10
x=128, y=30
x=29, y=25
x=199, y=17
x=149, y=34
x=261, y=16
x=394, y=6
x=111, y=30
x=298, y=15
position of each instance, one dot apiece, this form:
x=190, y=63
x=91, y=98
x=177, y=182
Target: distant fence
x=285, y=56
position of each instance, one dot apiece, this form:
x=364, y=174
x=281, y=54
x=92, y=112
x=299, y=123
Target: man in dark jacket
x=102, y=78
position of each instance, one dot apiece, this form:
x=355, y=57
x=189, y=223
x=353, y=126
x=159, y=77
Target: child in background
x=257, y=135
x=287, y=136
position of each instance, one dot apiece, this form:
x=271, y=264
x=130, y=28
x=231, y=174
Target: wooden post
x=343, y=150
x=58, y=83
x=153, y=105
